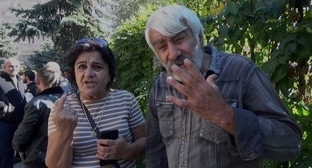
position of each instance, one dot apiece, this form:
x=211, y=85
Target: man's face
x=174, y=50
x=12, y=67
x=24, y=79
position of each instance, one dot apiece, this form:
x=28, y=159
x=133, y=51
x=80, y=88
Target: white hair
x=10, y=60
x=171, y=20
x=54, y=65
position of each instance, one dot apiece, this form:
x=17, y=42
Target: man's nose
x=174, y=51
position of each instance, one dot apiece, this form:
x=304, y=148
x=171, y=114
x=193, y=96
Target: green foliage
x=42, y=57
x=122, y=10
x=62, y=21
x=7, y=48
x=135, y=60
x=269, y=34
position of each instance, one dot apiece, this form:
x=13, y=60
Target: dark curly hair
x=30, y=74
x=91, y=44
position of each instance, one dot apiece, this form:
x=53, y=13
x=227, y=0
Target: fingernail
x=174, y=67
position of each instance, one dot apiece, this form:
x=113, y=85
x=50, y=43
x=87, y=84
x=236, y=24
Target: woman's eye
x=82, y=67
x=97, y=67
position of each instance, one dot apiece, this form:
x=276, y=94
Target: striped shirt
x=121, y=111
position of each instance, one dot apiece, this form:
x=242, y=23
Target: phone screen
x=111, y=134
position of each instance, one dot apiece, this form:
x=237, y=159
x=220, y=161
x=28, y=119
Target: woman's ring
x=106, y=155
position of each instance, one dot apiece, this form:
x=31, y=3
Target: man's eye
x=161, y=47
x=180, y=38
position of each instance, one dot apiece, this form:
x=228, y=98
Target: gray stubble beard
x=197, y=60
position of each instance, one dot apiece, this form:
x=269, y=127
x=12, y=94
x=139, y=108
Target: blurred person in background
x=30, y=139
x=12, y=103
x=31, y=91
x=64, y=82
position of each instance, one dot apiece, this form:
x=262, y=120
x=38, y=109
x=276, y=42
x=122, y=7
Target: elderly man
x=211, y=108
x=12, y=102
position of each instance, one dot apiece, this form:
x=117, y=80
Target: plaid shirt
x=264, y=129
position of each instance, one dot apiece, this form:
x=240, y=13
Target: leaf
x=287, y=39
x=269, y=67
x=232, y=8
x=224, y=30
x=279, y=73
x=230, y=20
x=292, y=47
x=302, y=40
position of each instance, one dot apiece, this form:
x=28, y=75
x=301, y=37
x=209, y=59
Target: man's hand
x=203, y=96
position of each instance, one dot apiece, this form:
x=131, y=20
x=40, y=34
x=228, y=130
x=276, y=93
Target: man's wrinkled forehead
x=12, y=64
x=157, y=37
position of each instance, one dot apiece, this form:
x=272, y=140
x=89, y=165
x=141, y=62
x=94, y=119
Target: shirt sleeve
x=263, y=126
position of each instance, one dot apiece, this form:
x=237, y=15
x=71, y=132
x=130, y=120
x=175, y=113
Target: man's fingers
x=194, y=72
x=211, y=80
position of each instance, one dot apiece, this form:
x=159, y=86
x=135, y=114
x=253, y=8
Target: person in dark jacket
x=30, y=139
x=31, y=91
x=12, y=103
x=211, y=108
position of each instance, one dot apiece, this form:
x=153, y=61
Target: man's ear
x=37, y=81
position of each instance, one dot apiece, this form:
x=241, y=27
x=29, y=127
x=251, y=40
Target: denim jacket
x=264, y=129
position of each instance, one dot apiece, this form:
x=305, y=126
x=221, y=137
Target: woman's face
x=92, y=75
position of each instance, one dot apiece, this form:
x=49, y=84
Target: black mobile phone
x=111, y=134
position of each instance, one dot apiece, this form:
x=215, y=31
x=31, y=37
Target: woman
x=76, y=123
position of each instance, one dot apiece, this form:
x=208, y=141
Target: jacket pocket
x=212, y=132
x=165, y=116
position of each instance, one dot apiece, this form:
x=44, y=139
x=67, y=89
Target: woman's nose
x=89, y=72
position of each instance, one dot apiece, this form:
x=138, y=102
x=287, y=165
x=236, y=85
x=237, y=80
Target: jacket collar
x=31, y=84
x=215, y=65
x=51, y=90
x=7, y=77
